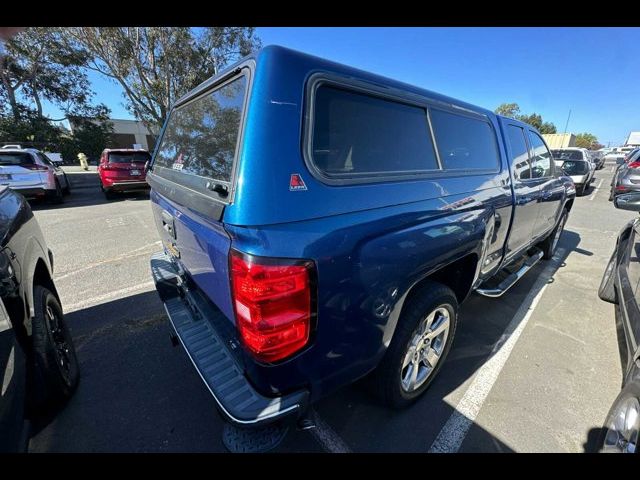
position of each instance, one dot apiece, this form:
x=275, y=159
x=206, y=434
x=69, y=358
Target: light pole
x=567, y=124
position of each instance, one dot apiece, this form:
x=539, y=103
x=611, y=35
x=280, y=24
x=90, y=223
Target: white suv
x=32, y=173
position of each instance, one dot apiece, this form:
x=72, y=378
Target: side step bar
x=511, y=280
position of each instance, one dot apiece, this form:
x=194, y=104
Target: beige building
x=633, y=140
x=559, y=140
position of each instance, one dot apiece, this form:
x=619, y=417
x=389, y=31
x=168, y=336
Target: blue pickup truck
x=321, y=224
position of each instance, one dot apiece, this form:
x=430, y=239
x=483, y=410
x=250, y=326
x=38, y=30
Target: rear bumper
x=236, y=398
x=31, y=192
x=127, y=185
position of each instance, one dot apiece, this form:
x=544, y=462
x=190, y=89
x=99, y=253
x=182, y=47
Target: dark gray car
x=627, y=176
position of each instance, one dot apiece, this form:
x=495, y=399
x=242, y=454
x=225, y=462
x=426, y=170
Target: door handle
x=546, y=195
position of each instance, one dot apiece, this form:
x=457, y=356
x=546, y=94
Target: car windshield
x=128, y=157
x=567, y=154
x=15, y=158
x=575, y=167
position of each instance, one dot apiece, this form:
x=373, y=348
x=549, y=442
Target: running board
x=511, y=280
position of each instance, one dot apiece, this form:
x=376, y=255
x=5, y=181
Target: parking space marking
x=328, y=439
x=136, y=252
x=595, y=190
x=612, y=167
x=455, y=430
x=98, y=299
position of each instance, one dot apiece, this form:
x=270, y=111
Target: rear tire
x=393, y=381
x=66, y=190
x=55, y=369
x=58, y=196
x=108, y=194
x=550, y=244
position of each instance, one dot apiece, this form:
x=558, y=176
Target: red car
x=123, y=170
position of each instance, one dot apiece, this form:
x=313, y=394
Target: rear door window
x=360, y=135
x=519, y=153
x=541, y=164
x=200, y=137
x=464, y=143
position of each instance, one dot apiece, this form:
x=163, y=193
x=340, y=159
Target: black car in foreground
x=38, y=365
x=621, y=286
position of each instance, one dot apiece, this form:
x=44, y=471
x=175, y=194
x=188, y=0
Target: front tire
x=550, y=244
x=419, y=347
x=54, y=364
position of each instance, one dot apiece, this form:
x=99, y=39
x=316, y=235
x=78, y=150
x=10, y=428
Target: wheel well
x=458, y=276
x=569, y=205
x=41, y=277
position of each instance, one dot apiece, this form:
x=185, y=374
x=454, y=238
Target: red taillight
x=635, y=164
x=621, y=188
x=272, y=300
x=33, y=166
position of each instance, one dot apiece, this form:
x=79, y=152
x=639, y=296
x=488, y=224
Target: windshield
x=567, y=154
x=575, y=167
x=128, y=157
x=16, y=158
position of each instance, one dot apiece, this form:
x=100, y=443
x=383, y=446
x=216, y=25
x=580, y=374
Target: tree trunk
x=11, y=93
x=36, y=98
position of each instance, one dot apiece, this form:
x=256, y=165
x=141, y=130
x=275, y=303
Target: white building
x=633, y=140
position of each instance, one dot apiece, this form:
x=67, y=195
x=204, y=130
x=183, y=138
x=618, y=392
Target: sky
x=594, y=72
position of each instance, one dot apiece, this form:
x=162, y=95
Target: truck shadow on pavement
x=138, y=393
x=85, y=191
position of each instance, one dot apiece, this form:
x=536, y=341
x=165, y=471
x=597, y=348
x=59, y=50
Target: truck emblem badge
x=296, y=183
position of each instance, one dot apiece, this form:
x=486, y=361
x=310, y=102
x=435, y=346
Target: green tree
x=42, y=64
x=156, y=65
x=588, y=140
x=511, y=110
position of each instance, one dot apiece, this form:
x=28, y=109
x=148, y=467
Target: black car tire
x=66, y=190
x=548, y=245
x=630, y=392
x=108, y=194
x=58, y=196
x=386, y=380
x=55, y=375
x=607, y=290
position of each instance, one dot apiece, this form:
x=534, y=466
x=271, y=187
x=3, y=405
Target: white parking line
x=595, y=190
x=328, y=439
x=612, y=168
x=457, y=426
x=98, y=299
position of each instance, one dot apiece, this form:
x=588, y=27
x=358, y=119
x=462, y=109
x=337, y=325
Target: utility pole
x=567, y=124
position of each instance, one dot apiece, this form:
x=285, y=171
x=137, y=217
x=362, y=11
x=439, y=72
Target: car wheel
x=607, y=289
x=58, y=196
x=621, y=430
x=419, y=347
x=108, y=194
x=66, y=190
x=55, y=369
x=550, y=244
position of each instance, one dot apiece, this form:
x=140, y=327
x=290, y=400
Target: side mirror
x=628, y=201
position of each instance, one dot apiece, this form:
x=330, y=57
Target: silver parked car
x=627, y=176
x=581, y=172
x=32, y=173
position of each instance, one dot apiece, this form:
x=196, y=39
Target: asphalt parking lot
x=533, y=371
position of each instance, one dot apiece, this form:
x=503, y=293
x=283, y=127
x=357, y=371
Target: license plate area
x=135, y=173
x=5, y=176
